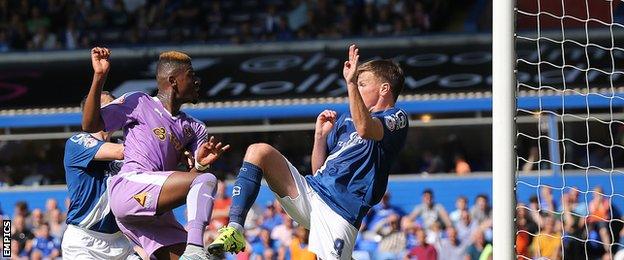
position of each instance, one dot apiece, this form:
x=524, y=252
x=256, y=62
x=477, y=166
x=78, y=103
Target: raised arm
x=324, y=124
x=366, y=126
x=91, y=117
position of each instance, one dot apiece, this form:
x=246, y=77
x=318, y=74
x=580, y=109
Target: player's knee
x=206, y=178
x=258, y=151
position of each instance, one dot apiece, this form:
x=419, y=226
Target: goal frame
x=503, y=128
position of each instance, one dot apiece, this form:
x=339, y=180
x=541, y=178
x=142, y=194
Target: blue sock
x=245, y=191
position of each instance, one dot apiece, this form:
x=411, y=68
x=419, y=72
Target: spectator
x=271, y=217
x=572, y=199
x=21, y=236
x=526, y=226
x=380, y=212
x=481, y=210
x=532, y=160
x=43, y=40
x=51, y=204
x=575, y=230
x=546, y=199
x=475, y=250
x=299, y=245
x=423, y=251
x=461, y=165
x=452, y=247
x=465, y=227
x=5, y=46
x=429, y=211
x=37, y=21
x=432, y=163
x=547, y=242
x=21, y=209
x=600, y=216
x=36, y=218
x=44, y=245
x=263, y=246
x=57, y=224
x=461, y=204
x=393, y=239
x=283, y=233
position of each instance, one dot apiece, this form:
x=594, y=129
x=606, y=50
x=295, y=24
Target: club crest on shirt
x=144, y=199
x=396, y=121
x=160, y=133
x=390, y=122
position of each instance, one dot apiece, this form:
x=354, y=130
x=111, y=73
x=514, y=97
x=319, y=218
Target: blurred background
x=269, y=67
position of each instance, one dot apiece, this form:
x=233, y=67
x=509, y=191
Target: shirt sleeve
x=80, y=150
x=121, y=111
x=200, y=136
x=395, y=124
x=332, y=138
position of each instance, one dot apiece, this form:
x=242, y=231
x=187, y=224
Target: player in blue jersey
x=351, y=160
x=92, y=232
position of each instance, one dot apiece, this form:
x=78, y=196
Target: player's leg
x=261, y=160
x=155, y=194
x=198, y=191
x=331, y=236
x=171, y=252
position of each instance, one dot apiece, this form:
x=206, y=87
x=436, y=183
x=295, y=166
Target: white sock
x=193, y=250
x=237, y=227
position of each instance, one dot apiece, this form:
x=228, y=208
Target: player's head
x=174, y=72
x=380, y=81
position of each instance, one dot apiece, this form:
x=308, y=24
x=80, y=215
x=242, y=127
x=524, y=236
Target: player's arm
x=91, y=117
x=208, y=153
x=109, y=152
x=366, y=126
x=324, y=124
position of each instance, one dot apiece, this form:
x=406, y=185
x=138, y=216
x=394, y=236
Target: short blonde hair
x=171, y=62
x=175, y=56
x=388, y=71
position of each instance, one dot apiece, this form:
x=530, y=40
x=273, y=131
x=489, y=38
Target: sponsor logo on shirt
x=354, y=138
x=160, y=133
x=176, y=143
x=85, y=140
x=144, y=199
x=188, y=132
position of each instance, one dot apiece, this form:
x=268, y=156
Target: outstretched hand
x=350, y=66
x=210, y=151
x=99, y=60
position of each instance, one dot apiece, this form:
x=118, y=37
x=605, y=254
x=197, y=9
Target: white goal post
x=503, y=128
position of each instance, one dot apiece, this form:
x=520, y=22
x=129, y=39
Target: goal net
x=569, y=129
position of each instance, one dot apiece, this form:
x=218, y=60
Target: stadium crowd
x=19, y=166
x=429, y=231
x=71, y=24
